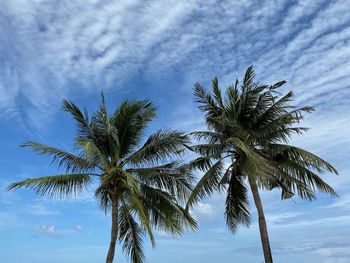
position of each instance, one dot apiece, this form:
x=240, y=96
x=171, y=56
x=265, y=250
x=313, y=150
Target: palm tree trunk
x=114, y=231
x=262, y=222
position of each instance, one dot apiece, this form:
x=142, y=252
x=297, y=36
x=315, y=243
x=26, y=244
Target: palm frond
x=217, y=93
x=278, y=85
x=103, y=196
x=130, y=120
x=306, y=176
x=300, y=156
x=165, y=213
x=133, y=197
x=237, y=204
x=232, y=101
x=56, y=185
x=209, y=136
x=107, y=133
x=202, y=163
x=292, y=185
x=81, y=118
x=252, y=161
x=71, y=162
x=93, y=153
x=130, y=234
x=207, y=184
x=210, y=149
x=171, y=177
x=206, y=101
x=160, y=145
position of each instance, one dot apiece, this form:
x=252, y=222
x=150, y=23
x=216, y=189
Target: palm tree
x=247, y=144
x=140, y=184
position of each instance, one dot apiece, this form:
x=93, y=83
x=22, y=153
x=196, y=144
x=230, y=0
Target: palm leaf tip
x=14, y=186
x=278, y=84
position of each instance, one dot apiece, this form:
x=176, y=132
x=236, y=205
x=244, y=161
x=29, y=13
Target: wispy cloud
x=46, y=47
x=47, y=230
x=55, y=49
x=52, y=231
x=52, y=49
x=8, y=219
x=279, y=218
x=204, y=211
x=40, y=210
x=342, y=203
x=335, y=252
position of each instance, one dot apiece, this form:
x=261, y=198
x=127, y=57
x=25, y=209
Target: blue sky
x=50, y=50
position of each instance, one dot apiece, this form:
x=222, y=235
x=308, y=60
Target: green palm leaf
x=161, y=145
x=237, y=204
x=130, y=120
x=56, y=185
x=207, y=184
x=69, y=161
x=131, y=235
x=167, y=177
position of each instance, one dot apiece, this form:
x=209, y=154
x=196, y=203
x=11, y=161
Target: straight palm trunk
x=262, y=222
x=114, y=231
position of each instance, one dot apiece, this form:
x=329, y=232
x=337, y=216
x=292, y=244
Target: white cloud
x=53, y=49
x=49, y=45
x=41, y=210
x=203, y=211
x=8, y=219
x=79, y=229
x=343, y=202
x=339, y=220
x=334, y=251
x=282, y=217
x=47, y=230
x=51, y=230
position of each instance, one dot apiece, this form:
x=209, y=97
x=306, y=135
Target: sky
x=51, y=50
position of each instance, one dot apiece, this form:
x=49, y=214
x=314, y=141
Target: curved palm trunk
x=262, y=222
x=114, y=231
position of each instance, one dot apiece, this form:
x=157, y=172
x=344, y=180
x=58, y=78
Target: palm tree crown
x=141, y=184
x=247, y=139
